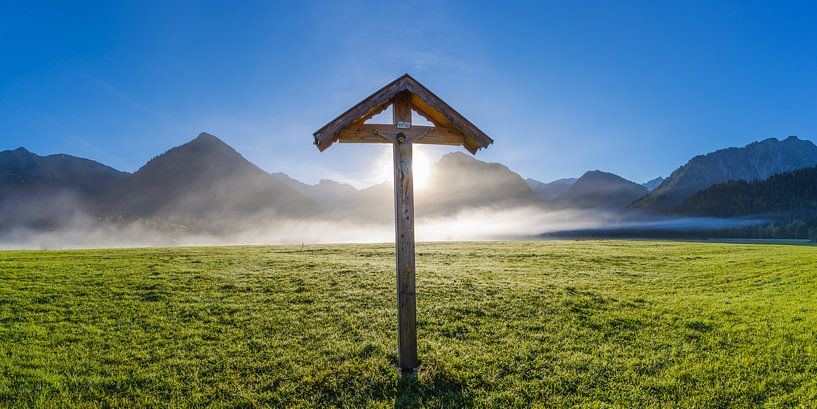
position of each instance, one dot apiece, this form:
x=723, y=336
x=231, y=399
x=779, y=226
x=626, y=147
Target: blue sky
x=635, y=88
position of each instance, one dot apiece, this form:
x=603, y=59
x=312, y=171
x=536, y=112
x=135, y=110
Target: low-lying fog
x=520, y=223
x=205, y=193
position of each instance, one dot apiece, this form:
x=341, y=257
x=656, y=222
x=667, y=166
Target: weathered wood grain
x=404, y=239
x=376, y=133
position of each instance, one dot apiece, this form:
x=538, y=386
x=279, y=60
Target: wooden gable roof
x=445, y=119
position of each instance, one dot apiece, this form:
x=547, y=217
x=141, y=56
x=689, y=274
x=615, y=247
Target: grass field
x=588, y=323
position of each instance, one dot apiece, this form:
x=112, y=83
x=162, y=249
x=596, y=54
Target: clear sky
x=634, y=88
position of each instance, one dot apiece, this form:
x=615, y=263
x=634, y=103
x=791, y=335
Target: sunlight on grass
x=499, y=324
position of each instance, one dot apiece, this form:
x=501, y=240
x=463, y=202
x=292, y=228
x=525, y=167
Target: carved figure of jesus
x=404, y=167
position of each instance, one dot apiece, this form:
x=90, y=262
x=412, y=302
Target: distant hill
x=42, y=191
x=756, y=161
x=206, y=179
x=600, y=190
x=460, y=181
x=327, y=193
x=457, y=182
x=22, y=169
x=549, y=191
x=787, y=201
x=787, y=193
x=653, y=184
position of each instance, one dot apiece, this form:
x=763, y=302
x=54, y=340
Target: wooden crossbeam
x=377, y=133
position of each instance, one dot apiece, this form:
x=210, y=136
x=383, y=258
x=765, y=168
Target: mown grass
x=555, y=324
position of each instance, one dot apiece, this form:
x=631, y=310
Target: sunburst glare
x=421, y=167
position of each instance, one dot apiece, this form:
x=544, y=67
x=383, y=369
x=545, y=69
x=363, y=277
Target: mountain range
x=40, y=191
x=651, y=184
x=789, y=194
x=550, y=190
x=458, y=181
x=599, y=190
x=205, y=181
x=756, y=161
x=787, y=202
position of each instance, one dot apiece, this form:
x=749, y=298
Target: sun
x=421, y=167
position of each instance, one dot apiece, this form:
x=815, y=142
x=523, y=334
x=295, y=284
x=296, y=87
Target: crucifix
x=404, y=95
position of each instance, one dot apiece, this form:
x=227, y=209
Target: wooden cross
x=450, y=128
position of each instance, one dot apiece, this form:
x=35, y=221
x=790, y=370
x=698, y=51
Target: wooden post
x=404, y=236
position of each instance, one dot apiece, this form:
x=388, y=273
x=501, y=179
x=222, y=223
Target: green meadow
x=500, y=324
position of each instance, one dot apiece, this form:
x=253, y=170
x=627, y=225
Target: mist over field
x=470, y=224
x=206, y=193
x=82, y=231
x=473, y=224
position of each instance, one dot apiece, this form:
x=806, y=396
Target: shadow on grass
x=435, y=389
